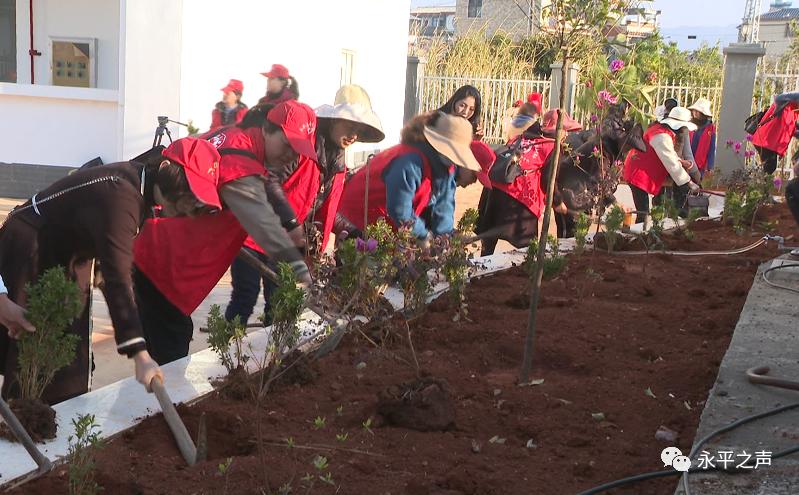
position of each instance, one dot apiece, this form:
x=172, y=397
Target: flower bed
x=626, y=345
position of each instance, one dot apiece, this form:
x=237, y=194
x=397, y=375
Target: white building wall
x=68, y=18
x=308, y=37
x=150, y=71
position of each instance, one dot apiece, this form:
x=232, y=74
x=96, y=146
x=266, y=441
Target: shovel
x=19, y=431
x=191, y=453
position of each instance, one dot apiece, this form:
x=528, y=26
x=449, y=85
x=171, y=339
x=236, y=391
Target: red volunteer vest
x=703, y=150
x=776, y=134
x=185, y=257
x=327, y=211
x=352, y=199
x=526, y=189
x=301, y=189
x=645, y=170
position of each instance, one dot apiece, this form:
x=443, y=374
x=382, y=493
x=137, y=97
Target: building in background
x=776, y=28
x=99, y=72
x=516, y=18
x=429, y=22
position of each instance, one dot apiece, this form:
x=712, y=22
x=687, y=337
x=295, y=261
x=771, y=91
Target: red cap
x=234, y=85
x=550, y=121
x=485, y=157
x=277, y=70
x=535, y=99
x=298, y=122
x=200, y=161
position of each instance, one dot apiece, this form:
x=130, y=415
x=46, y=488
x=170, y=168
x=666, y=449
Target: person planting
x=413, y=183
x=512, y=209
x=703, y=139
x=96, y=214
x=305, y=191
x=776, y=129
x=646, y=171
x=179, y=260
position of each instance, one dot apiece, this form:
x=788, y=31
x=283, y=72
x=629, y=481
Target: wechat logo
x=672, y=456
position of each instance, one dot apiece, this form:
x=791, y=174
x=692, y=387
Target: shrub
x=582, y=225
x=613, y=223
x=554, y=262
x=82, y=449
x=53, y=304
x=222, y=335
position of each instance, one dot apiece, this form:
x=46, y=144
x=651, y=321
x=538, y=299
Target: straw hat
x=678, y=118
x=452, y=136
x=702, y=106
x=352, y=103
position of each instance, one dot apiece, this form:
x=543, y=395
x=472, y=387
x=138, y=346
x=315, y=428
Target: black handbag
x=752, y=123
x=698, y=202
x=506, y=167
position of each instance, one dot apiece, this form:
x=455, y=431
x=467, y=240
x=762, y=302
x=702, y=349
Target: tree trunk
x=527, y=364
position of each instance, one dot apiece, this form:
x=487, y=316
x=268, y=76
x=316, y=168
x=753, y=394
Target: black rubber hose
x=662, y=474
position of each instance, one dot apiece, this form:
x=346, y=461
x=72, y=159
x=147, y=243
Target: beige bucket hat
x=702, y=106
x=352, y=103
x=452, y=137
x=678, y=118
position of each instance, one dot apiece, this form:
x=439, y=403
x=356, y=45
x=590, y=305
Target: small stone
x=497, y=392
x=360, y=366
x=531, y=444
x=428, y=353
x=666, y=435
x=335, y=386
x=476, y=446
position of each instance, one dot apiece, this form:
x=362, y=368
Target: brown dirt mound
x=36, y=417
x=424, y=404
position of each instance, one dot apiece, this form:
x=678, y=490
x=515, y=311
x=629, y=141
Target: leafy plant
x=53, y=304
x=224, y=470
x=454, y=261
x=613, y=223
x=581, y=227
x=554, y=262
x=191, y=128
x=81, y=456
x=319, y=422
x=222, y=335
x=468, y=222
x=414, y=262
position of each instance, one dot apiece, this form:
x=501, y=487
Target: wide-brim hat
x=352, y=103
x=702, y=106
x=452, y=136
x=550, y=121
x=678, y=118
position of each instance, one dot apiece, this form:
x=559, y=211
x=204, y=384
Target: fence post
x=414, y=73
x=740, y=70
x=573, y=75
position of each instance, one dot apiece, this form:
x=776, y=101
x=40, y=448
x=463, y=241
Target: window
x=8, y=41
x=347, y=66
x=475, y=8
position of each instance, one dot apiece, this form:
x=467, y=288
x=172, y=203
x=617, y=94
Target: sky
x=709, y=20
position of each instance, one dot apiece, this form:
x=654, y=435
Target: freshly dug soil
x=625, y=345
x=36, y=417
x=422, y=405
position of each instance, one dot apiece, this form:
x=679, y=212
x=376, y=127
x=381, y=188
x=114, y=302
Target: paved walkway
x=767, y=334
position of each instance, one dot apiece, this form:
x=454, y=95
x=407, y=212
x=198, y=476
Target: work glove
x=146, y=369
x=694, y=187
x=12, y=317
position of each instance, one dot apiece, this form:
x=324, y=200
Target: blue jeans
x=246, y=281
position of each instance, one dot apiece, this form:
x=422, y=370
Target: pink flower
x=606, y=96
x=618, y=163
x=737, y=146
x=729, y=143
x=777, y=182
x=589, y=84
x=594, y=118
x=616, y=65
x=749, y=137
x=749, y=153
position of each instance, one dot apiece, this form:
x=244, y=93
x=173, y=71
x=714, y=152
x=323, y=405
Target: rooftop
x=442, y=9
x=780, y=15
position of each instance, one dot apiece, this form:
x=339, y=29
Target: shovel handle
x=179, y=431
x=19, y=431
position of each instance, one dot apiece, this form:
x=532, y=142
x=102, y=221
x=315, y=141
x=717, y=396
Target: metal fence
x=686, y=93
x=497, y=96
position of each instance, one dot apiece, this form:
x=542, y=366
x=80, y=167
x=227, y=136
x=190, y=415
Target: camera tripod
x=163, y=129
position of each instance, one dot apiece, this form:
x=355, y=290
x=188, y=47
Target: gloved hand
x=12, y=317
x=146, y=369
x=694, y=187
